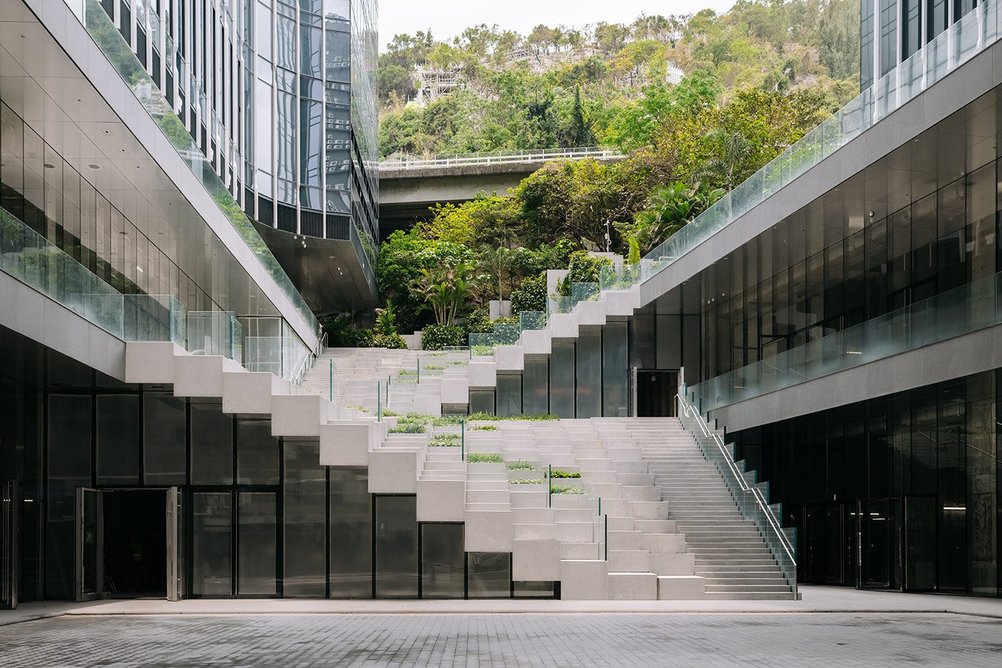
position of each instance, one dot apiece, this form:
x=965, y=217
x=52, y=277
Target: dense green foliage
x=756, y=80
x=437, y=337
x=607, y=83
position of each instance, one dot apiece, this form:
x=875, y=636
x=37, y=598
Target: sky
x=448, y=18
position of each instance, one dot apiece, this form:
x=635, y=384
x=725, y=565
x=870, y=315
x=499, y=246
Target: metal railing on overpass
x=404, y=163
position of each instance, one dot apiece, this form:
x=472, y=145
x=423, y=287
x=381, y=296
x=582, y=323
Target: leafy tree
x=395, y=82
x=668, y=209
x=530, y=295
x=445, y=289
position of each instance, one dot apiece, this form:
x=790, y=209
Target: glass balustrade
x=36, y=262
x=121, y=57
x=975, y=32
x=953, y=313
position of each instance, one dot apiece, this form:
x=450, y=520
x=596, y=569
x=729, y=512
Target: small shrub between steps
x=407, y=428
x=566, y=489
x=444, y=441
x=487, y=417
x=527, y=481
x=521, y=465
x=558, y=473
x=485, y=458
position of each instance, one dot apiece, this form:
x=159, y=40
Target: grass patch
x=408, y=372
x=558, y=473
x=566, y=489
x=527, y=481
x=521, y=465
x=486, y=427
x=487, y=417
x=389, y=413
x=447, y=420
x=485, y=458
x=444, y=441
x=361, y=409
x=407, y=428
x=434, y=367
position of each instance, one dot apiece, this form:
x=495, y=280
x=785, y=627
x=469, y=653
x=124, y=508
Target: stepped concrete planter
x=523, y=474
x=568, y=500
x=486, y=467
x=527, y=488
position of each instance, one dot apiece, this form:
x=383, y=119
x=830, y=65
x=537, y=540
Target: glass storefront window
x=489, y=574
x=350, y=533
x=257, y=547
x=442, y=561
x=304, y=508
x=211, y=535
x=396, y=547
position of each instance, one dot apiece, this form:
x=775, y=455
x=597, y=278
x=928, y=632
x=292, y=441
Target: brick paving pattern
x=506, y=640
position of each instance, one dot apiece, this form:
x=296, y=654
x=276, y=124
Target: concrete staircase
x=730, y=552
x=609, y=533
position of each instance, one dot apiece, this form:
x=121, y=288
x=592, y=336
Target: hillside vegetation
x=564, y=87
x=755, y=81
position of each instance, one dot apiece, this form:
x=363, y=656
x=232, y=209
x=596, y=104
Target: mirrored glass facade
x=891, y=31
x=280, y=96
x=258, y=515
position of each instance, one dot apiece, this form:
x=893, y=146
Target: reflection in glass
x=163, y=439
x=442, y=556
x=210, y=544
x=257, y=544
x=396, y=547
x=562, y=378
x=118, y=439
x=351, y=533
x=489, y=574
x=304, y=508
x=589, y=372
x=211, y=444
x=257, y=453
x=535, y=386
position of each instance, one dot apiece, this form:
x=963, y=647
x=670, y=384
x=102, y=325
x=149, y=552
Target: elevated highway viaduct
x=409, y=188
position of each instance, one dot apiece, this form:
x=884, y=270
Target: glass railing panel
x=33, y=260
x=556, y=304
x=154, y=318
x=953, y=313
x=583, y=292
x=119, y=54
x=214, y=333
x=481, y=345
x=532, y=320
x=264, y=353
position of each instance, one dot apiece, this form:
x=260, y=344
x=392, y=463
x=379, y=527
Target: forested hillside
x=755, y=81
x=562, y=86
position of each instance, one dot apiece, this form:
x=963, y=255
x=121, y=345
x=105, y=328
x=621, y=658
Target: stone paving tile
x=506, y=640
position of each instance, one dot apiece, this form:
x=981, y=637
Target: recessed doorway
x=128, y=544
x=656, y=391
x=135, y=544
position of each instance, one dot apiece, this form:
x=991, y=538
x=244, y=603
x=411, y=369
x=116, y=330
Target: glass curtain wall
x=849, y=266
x=261, y=516
x=915, y=474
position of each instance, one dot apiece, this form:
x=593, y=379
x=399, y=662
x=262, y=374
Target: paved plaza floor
x=897, y=629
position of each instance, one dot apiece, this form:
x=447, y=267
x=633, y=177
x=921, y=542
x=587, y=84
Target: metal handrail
x=513, y=157
x=774, y=522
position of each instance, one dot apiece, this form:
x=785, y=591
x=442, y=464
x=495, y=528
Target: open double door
x=129, y=544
